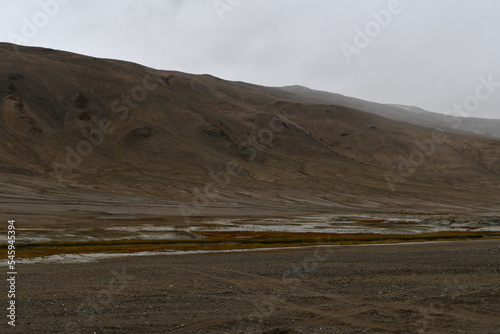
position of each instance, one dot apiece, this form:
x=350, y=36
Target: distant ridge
x=414, y=115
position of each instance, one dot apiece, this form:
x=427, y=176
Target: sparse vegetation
x=235, y=240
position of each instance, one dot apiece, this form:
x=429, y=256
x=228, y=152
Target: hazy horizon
x=422, y=54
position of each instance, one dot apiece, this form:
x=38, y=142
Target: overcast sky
x=426, y=53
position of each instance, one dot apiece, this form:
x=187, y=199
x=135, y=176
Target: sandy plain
x=436, y=287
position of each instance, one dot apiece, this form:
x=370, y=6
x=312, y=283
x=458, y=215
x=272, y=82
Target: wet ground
x=118, y=225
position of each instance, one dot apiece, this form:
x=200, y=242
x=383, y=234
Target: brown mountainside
x=76, y=128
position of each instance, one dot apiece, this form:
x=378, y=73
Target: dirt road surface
x=413, y=288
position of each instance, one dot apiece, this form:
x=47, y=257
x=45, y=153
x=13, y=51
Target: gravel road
x=413, y=288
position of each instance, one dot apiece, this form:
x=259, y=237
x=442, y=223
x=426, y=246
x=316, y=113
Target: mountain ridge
x=109, y=128
x=415, y=115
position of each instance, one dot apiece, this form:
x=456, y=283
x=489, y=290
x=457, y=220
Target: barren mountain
x=79, y=129
x=450, y=122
